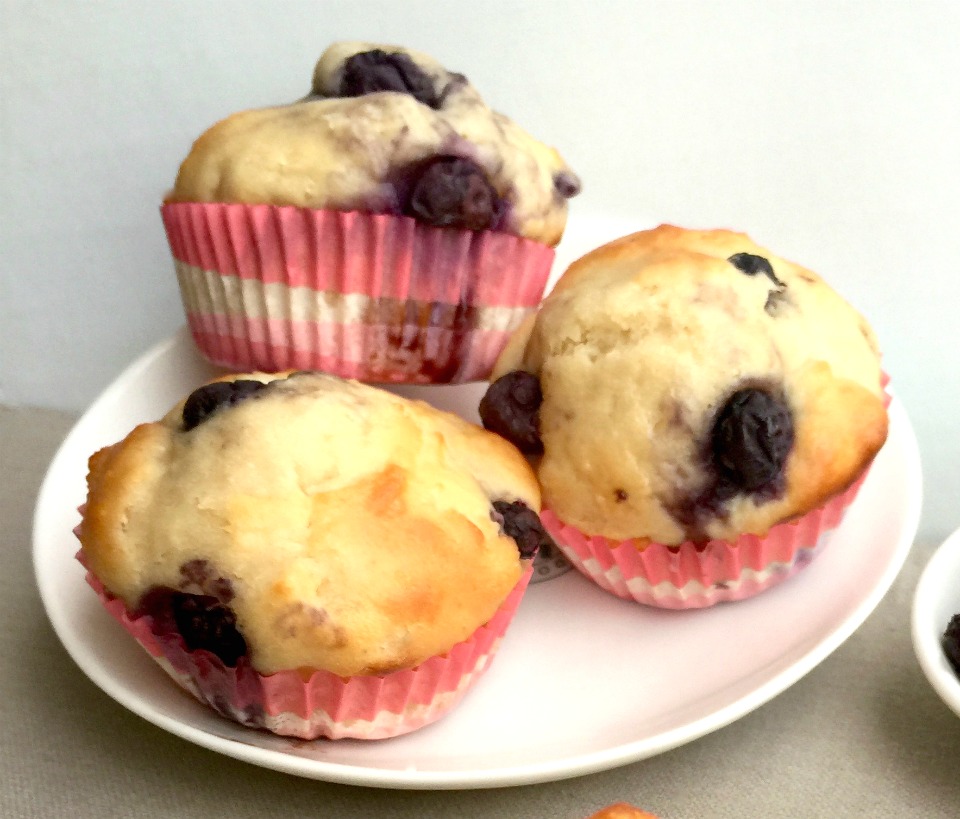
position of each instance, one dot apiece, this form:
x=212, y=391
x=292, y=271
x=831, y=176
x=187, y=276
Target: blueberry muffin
x=395, y=195
x=310, y=531
x=691, y=387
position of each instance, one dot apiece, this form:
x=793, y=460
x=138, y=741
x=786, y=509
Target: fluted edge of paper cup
x=375, y=297
x=322, y=704
x=699, y=575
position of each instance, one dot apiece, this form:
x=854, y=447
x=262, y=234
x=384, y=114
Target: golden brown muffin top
x=385, y=130
x=696, y=386
x=346, y=528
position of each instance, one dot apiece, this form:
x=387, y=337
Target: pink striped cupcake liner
x=323, y=704
x=697, y=575
x=374, y=297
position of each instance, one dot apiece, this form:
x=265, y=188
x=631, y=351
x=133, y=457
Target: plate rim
x=533, y=773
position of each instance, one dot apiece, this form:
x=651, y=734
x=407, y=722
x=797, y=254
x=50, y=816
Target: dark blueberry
x=204, y=402
x=453, y=192
x=752, y=265
x=566, y=184
x=951, y=642
x=752, y=437
x=203, y=622
x=521, y=523
x=373, y=71
x=510, y=407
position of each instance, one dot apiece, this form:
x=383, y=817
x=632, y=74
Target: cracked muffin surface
x=386, y=130
x=310, y=523
x=695, y=386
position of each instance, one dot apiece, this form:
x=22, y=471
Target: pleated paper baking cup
x=374, y=297
x=695, y=575
x=322, y=704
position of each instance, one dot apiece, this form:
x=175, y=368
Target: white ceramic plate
x=935, y=601
x=583, y=682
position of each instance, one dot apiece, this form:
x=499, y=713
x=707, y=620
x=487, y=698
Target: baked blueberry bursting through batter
x=520, y=522
x=744, y=452
x=203, y=622
x=752, y=438
x=510, y=407
x=208, y=399
x=752, y=264
x=373, y=71
x=454, y=192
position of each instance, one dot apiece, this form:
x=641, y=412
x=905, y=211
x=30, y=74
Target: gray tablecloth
x=861, y=735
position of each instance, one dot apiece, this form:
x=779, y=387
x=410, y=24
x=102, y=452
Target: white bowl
x=935, y=601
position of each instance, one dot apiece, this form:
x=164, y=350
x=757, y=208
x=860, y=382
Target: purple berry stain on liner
x=510, y=408
x=438, y=359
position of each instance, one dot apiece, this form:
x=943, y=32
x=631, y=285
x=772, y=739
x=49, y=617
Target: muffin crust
x=348, y=529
